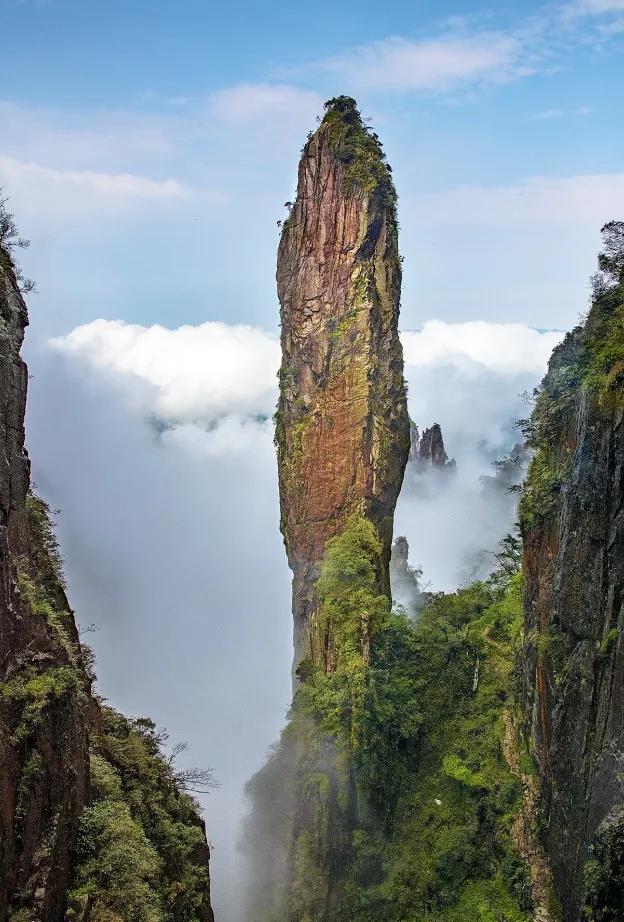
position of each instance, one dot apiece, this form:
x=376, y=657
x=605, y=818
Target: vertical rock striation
x=342, y=427
x=44, y=758
x=572, y=516
x=428, y=451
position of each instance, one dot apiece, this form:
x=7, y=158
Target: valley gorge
x=94, y=823
x=447, y=756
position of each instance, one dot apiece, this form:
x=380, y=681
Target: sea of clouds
x=156, y=444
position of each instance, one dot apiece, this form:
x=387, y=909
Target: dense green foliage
x=452, y=855
x=359, y=149
x=141, y=849
x=388, y=795
x=60, y=676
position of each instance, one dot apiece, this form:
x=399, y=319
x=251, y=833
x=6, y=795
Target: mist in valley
x=177, y=558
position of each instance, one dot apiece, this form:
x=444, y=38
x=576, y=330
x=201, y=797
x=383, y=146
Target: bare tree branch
x=196, y=780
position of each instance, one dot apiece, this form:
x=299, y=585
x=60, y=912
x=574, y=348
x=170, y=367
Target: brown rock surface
x=342, y=423
x=44, y=762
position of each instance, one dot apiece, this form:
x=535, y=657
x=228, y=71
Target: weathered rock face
x=431, y=449
x=44, y=766
x=573, y=527
x=342, y=423
x=428, y=451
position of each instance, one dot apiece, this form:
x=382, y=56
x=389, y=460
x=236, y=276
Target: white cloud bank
x=192, y=374
x=181, y=540
x=470, y=378
x=214, y=386
x=506, y=349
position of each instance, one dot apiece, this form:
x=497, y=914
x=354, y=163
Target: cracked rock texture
x=342, y=424
x=38, y=810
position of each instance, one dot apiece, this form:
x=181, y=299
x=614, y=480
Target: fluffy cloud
x=212, y=387
x=470, y=378
x=432, y=64
x=506, y=349
x=191, y=373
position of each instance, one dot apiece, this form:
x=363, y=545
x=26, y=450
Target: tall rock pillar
x=342, y=427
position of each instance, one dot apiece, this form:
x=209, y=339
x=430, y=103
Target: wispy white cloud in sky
x=442, y=63
x=592, y=7
x=613, y=28
x=99, y=139
x=550, y=114
x=118, y=185
x=250, y=101
x=585, y=200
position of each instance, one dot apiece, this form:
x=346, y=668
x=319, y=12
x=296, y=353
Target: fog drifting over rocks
x=472, y=378
x=156, y=444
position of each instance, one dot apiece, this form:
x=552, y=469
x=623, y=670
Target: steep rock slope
x=342, y=425
x=572, y=515
x=93, y=825
x=44, y=756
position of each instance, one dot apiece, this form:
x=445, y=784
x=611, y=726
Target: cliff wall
x=572, y=515
x=44, y=756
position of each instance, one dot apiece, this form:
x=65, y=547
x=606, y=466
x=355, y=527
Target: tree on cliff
x=611, y=260
x=10, y=240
